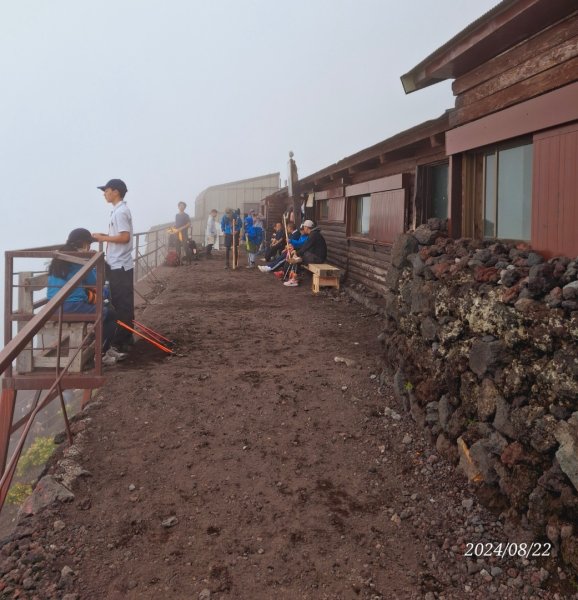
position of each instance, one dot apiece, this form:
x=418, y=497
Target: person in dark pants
x=314, y=250
x=231, y=225
x=182, y=228
x=119, y=260
x=277, y=244
x=211, y=232
x=83, y=298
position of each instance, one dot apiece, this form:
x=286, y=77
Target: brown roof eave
x=501, y=28
x=404, y=139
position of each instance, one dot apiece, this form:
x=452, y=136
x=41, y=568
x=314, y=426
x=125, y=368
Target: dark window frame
x=474, y=180
x=352, y=213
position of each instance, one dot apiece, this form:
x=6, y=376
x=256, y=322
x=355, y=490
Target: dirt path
x=276, y=471
x=250, y=442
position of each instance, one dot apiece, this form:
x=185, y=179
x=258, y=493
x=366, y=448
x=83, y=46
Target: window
x=507, y=192
x=432, y=192
x=438, y=192
x=361, y=215
x=323, y=210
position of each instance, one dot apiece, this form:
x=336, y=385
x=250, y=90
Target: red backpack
x=172, y=259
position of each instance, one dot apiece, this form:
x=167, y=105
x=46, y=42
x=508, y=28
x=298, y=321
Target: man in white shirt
x=119, y=261
x=211, y=232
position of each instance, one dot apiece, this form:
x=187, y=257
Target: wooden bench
x=324, y=275
x=42, y=352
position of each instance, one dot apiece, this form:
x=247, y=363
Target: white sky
x=178, y=95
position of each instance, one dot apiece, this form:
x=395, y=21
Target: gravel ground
x=253, y=465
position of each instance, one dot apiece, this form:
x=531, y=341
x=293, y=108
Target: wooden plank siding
x=556, y=35
x=554, y=185
x=538, y=65
x=367, y=261
x=368, y=264
x=528, y=88
x=388, y=210
x=272, y=208
x=336, y=210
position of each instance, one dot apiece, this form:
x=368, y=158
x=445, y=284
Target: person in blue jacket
x=248, y=220
x=231, y=225
x=297, y=238
x=79, y=299
x=254, y=236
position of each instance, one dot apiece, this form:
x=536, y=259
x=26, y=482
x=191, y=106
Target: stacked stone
x=481, y=338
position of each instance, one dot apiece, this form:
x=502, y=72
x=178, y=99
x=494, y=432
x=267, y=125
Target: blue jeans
x=276, y=263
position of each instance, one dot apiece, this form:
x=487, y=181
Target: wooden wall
x=554, y=192
x=367, y=261
x=540, y=64
x=273, y=208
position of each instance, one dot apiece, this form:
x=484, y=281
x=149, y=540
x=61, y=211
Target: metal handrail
x=154, y=254
x=15, y=345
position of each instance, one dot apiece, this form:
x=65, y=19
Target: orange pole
x=152, y=332
x=144, y=337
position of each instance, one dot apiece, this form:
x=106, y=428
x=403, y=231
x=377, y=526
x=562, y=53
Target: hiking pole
x=144, y=337
x=154, y=334
x=233, y=226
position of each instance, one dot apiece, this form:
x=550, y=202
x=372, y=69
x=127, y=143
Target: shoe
x=108, y=361
x=263, y=259
x=264, y=268
x=118, y=356
x=291, y=283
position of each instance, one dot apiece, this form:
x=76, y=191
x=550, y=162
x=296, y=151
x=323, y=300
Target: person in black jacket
x=314, y=250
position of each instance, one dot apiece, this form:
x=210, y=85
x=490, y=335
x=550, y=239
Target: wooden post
x=455, y=212
x=25, y=307
x=7, y=404
x=86, y=397
x=136, y=256
x=156, y=248
x=293, y=190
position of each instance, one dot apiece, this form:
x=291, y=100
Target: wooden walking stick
x=233, y=227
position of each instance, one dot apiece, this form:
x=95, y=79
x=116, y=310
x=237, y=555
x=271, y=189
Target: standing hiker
x=211, y=232
x=254, y=235
x=119, y=261
x=231, y=225
x=182, y=227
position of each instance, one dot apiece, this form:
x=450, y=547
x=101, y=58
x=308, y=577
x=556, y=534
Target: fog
x=179, y=95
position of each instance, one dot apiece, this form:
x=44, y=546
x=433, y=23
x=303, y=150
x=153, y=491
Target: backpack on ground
x=172, y=259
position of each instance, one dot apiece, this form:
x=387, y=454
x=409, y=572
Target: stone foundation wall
x=481, y=340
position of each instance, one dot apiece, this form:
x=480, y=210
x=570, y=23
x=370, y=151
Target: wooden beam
x=455, y=197
x=548, y=110
x=7, y=404
x=524, y=90
x=553, y=36
x=534, y=65
x=437, y=140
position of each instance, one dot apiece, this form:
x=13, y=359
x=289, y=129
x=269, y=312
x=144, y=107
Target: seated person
x=79, y=300
x=314, y=250
x=296, y=239
x=277, y=242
